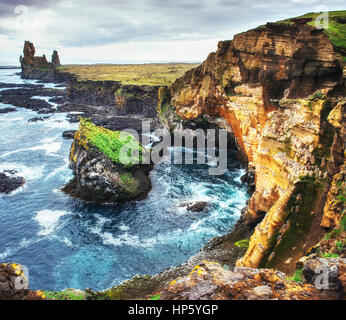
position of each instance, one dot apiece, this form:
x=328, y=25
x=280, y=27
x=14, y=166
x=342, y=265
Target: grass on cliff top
x=159, y=74
x=336, y=29
x=120, y=147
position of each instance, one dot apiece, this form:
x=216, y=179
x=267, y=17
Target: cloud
x=67, y=24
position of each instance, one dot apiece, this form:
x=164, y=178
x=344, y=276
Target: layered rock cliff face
x=35, y=67
x=275, y=86
x=122, y=99
x=100, y=172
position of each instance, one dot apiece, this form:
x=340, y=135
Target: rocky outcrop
x=275, y=86
x=121, y=99
x=9, y=183
x=335, y=273
x=14, y=284
x=100, y=173
x=209, y=281
x=35, y=67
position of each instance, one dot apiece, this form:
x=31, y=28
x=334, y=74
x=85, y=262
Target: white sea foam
x=49, y=148
x=124, y=228
x=127, y=239
x=29, y=173
x=5, y=254
x=48, y=220
x=67, y=242
x=56, y=171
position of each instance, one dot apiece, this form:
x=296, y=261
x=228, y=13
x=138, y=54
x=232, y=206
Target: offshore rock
x=9, y=184
x=38, y=67
x=194, y=206
x=99, y=176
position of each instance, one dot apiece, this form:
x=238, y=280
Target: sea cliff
x=280, y=87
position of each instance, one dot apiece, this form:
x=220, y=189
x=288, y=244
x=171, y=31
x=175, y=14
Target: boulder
x=194, y=206
x=314, y=268
x=9, y=184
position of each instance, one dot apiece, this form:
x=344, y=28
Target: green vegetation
x=329, y=255
x=298, y=221
x=318, y=183
x=138, y=287
x=121, y=92
x=156, y=297
x=287, y=146
x=326, y=133
x=242, y=243
x=160, y=74
x=128, y=182
x=69, y=294
x=336, y=28
x=113, y=144
x=297, y=276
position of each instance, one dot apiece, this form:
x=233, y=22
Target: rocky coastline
x=279, y=91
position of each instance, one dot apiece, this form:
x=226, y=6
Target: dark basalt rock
x=69, y=134
x=99, y=179
x=36, y=119
x=194, y=206
x=314, y=267
x=24, y=98
x=249, y=179
x=9, y=184
x=7, y=110
x=121, y=99
x=35, y=67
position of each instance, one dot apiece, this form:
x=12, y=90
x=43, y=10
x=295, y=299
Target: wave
x=48, y=220
x=29, y=173
x=50, y=148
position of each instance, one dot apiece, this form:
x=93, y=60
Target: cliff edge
x=281, y=89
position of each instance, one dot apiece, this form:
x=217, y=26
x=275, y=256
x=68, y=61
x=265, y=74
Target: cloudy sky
x=116, y=31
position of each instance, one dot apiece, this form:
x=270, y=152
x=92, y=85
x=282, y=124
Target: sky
x=130, y=31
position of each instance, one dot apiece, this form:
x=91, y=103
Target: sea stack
x=37, y=67
x=99, y=174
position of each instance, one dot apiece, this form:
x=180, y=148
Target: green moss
x=156, y=297
x=69, y=294
x=138, y=287
x=242, y=243
x=336, y=28
x=164, y=109
x=287, y=147
x=299, y=220
x=297, y=276
x=122, y=92
x=329, y=255
x=326, y=134
x=128, y=182
x=109, y=142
